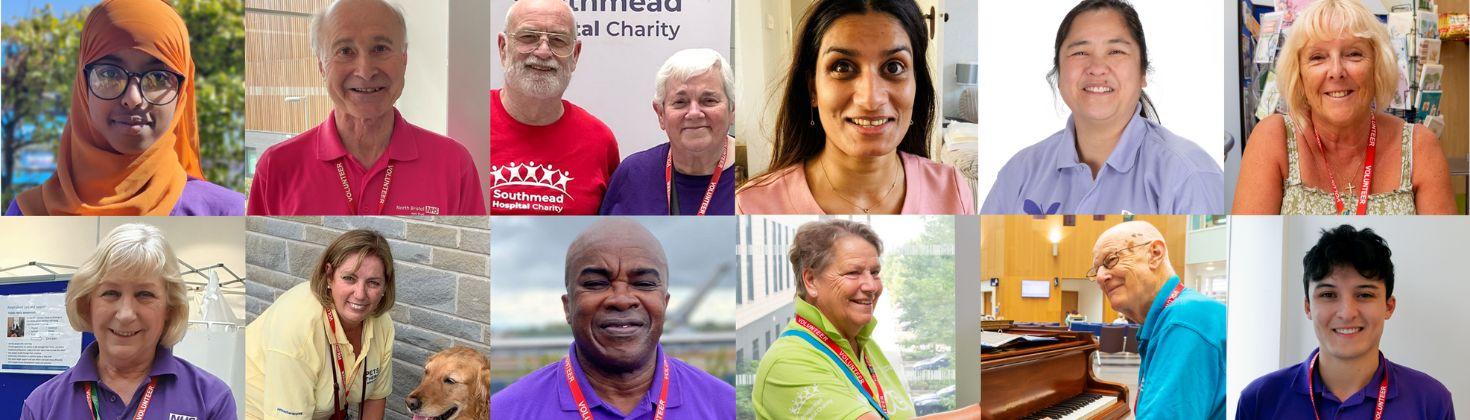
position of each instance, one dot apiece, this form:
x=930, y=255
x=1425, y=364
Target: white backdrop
x=1018, y=107
x=1427, y=331
x=614, y=76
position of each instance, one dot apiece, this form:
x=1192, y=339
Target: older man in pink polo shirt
x=365, y=159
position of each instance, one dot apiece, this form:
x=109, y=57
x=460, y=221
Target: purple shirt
x=1151, y=171
x=184, y=391
x=544, y=395
x=200, y=198
x=637, y=188
x=1283, y=395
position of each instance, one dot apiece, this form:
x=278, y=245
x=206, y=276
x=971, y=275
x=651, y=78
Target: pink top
x=930, y=188
x=432, y=175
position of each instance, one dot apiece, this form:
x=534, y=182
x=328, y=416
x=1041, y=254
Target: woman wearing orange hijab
x=131, y=142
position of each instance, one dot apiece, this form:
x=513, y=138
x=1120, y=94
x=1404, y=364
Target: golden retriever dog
x=456, y=386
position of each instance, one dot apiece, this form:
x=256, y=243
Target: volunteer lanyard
x=1178, y=288
x=586, y=411
x=341, y=368
x=94, y=403
x=347, y=190
x=1311, y=393
x=709, y=193
x=1362, y=207
x=851, y=367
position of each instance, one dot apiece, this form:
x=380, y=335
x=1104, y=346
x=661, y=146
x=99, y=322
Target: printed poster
x=38, y=337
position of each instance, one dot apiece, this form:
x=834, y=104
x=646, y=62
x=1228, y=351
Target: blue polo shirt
x=544, y=395
x=1283, y=395
x=1182, y=374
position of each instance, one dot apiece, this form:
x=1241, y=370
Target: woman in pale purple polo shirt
x=1113, y=156
x=130, y=296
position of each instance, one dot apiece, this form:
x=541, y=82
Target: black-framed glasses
x=561, y=45
x=109, y=81
x=1110, y=261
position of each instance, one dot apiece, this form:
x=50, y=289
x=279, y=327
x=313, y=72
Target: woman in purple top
x=130, y=296
x=695, y=169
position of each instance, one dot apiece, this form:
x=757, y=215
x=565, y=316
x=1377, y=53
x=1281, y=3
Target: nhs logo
x=172, y=416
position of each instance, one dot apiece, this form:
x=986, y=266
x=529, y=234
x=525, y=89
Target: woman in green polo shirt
x=826, y=365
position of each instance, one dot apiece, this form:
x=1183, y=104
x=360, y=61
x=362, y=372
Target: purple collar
x=568, y=403
x=1369, y=391
x=164, y=363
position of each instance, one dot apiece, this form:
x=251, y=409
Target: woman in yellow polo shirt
x=326, y=345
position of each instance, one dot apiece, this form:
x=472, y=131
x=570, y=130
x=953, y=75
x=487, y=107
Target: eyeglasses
x=1110, y=261
x=561, y=45
x=109, y=81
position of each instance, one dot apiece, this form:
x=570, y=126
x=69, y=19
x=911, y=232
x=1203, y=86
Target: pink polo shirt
x=930, y=188
x=432, y=175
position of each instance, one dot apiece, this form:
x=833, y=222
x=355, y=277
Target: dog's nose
x=413, y=403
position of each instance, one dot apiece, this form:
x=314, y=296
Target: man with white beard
x=547, y=155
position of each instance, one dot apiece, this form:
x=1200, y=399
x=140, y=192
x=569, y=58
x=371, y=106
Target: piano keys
x=1048, y=380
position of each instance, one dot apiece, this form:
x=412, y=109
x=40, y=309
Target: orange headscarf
x=92, y=180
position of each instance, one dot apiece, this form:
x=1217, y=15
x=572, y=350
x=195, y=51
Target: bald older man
x=547, y=155
x=365, y=159
x=617, y=289
x=1182, y=340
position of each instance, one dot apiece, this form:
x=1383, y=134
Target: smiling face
x=128, y=123
x=1130, y=284
x=127, y=316
x=846, y=291
x=1347, y=313
x=696, y=113
x=357, y=288
x=363, y=58
x=539, y=73
x=1100, y=69
x=616, y=295
x=865, y=84
x=1337, y=78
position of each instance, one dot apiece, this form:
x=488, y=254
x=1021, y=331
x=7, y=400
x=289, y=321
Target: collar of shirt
x=85, y=370
x=1124, y=155
x=568, y=403
x=811, y=313
x=358, y=355
x=401, y=146
x=1368, y=393
x=1155, y=316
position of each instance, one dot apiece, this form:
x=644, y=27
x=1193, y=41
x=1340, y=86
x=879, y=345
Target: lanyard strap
x=853, y=374
x=94, y=404
x=347, y=189
x=1311, y=393
x=340, y=367
x=586, y=412
x=709, y=192
x=1362, y=205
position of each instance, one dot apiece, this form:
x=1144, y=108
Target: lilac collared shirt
x=1151, y=171
x=1283, y=395
x=184, y=391
x=544, y=395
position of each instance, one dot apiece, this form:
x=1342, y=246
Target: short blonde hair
x=136, y=250
x=1334, y=19
x=364, y=242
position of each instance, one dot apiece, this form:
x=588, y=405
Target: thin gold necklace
x=866, y=210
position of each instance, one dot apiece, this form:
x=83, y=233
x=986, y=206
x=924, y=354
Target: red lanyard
x=92, y=402
x=341, y=367
x=1367, y=169
x=846, y=360
x=1382, y=390
x=709, y=193
x=586, y=412
x=347, y=190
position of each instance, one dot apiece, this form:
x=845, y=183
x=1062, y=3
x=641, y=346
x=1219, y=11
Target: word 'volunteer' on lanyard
x=1311, y=392
x=347, y=190
x=853, y=374
x=341, y=368
x=709, y=193
x=94, y=404
x=1362, y=207
x=586, y=411
x=1178, y=288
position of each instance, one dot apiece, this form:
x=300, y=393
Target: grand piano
x=1047, y=380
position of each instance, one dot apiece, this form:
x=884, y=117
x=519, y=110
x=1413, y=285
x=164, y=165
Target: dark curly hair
x=1346, y=246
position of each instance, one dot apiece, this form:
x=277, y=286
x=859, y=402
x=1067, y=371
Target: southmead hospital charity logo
x=546, y=187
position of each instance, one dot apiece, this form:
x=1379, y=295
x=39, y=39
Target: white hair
x=686, y=64
x=511, y=12
x=321, y=15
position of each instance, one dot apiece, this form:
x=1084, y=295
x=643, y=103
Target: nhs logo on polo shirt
x=172, y=416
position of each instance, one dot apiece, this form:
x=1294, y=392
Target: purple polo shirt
x=184, y=391
x=637, y=188
x=543, y=394
x=200, y=198
x=1283, y=395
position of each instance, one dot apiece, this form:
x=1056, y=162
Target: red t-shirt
x=432, y=175
x=557, y=169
